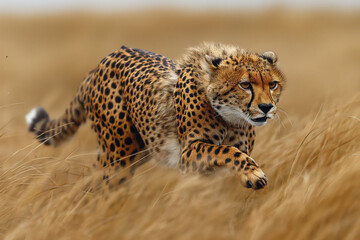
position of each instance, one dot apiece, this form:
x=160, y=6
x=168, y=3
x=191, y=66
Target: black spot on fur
x=128, y=141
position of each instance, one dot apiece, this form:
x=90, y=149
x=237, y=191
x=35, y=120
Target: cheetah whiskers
x=247, y=119
x=286, y=115
x=279, y=120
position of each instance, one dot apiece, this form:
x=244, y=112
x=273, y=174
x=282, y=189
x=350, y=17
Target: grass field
x=311, y=156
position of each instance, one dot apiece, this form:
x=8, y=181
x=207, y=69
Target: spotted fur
x=198, y=113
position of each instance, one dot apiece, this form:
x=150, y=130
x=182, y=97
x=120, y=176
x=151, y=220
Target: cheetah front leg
x=200, y=156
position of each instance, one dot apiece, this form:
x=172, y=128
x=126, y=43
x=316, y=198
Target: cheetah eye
x=245, y=85
x=273, y=85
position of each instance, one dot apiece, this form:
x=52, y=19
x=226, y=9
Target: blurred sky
x=36, y=6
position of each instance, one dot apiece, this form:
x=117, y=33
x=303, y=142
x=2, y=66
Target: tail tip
x=34, y=116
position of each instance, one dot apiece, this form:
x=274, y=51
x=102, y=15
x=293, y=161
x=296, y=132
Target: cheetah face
x=245, y=89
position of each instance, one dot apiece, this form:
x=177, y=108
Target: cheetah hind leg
x=113, y=182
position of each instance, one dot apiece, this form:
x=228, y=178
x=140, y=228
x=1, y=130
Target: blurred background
x=310, y=155
x=51, y=45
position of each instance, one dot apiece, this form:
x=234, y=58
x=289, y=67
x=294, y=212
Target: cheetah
x=196, y=114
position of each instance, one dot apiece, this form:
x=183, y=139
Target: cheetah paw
x=256, y=179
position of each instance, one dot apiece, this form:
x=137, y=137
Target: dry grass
x=311, y=157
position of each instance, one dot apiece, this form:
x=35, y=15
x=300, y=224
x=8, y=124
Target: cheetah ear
x=211, y=63
x=271, y=57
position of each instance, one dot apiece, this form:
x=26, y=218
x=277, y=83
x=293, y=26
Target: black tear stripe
x=252, y=96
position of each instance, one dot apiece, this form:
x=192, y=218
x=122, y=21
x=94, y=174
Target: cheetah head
x=245, y=87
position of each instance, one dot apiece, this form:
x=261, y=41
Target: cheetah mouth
x=261, y=119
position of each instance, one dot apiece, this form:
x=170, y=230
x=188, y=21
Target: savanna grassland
x=311, y=154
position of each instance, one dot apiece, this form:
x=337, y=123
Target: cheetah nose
x=265, y=107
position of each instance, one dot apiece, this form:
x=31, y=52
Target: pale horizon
x=42, y=6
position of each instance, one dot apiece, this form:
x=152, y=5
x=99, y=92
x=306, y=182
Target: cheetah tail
x=52, y=132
